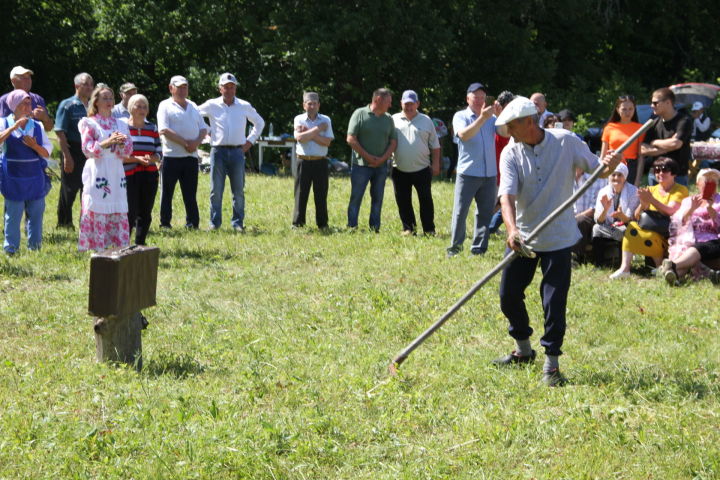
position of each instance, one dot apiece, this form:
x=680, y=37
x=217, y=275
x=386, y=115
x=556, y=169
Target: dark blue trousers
x=556, y=270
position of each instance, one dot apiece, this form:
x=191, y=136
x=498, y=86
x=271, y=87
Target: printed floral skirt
x=100, y=231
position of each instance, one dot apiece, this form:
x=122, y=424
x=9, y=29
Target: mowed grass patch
x=267, y=356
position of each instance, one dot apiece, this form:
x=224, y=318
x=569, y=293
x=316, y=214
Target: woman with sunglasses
x=623, y=122
x=664, y=199
x=695, y=233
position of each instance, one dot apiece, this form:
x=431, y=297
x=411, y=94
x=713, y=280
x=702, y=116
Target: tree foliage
x=581, y=53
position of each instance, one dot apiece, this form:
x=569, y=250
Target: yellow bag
x=643, y=242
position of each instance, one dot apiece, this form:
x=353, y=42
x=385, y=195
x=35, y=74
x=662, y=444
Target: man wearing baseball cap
x=537, y=171
x=126, y=90
x=701, y=123
x=182, y=129
x=415, y=161
x=228, y=123
x=21, y=78
x=474, y=128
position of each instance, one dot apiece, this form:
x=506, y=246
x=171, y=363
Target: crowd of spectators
x=117, y=160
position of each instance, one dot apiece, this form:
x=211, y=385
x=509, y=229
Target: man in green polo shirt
x=373, y=138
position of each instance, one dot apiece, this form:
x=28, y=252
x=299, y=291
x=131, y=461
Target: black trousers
x=585, y=225
x=556, y=271
x=311, y=173
x=142, y=188
x=184, y=170
x=404, y=183
x=70, y=185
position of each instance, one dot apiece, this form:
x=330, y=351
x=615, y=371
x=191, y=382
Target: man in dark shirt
x=669, y=136
x=69, y=113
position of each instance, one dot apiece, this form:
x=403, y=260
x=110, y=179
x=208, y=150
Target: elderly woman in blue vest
x=23, y=181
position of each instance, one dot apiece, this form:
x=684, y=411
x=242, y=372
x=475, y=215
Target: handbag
x=655, y=222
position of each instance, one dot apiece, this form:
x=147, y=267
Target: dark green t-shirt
x=374, y=132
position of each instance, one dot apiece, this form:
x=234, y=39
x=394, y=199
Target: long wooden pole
x=403, y=355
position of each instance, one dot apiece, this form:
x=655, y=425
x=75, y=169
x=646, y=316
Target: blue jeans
x=484, y=191
x=681, y=179
x=34, y=210
x=556, y=271
x=496, y=221
x=230, y=162
x=359, y=178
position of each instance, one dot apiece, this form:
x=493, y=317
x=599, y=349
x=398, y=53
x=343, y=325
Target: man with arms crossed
x=669, y=136
x=474, y=129
x=228, y=123
x=537, y=174
x=182, y=129
x=412, y=164
x=69, y=113
x=313, y=132
x=373, y=138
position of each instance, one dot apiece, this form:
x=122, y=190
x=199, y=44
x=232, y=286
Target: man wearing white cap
x=701, y=123
x=21, y=78
x=127, y=90
x=415, y=161
x=182, y=130
x=228, y=123
x=474, y=130
x=537, y=172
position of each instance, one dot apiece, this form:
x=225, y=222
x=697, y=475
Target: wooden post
x=118, y=339
x=122, y=282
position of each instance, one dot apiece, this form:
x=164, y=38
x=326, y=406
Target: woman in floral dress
x=105, y=142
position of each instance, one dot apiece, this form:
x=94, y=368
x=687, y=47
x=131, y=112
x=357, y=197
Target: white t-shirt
x=186, y=122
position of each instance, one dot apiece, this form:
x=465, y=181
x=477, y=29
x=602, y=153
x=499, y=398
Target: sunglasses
x=661, y=168
x=624, y=98
x=655, y=102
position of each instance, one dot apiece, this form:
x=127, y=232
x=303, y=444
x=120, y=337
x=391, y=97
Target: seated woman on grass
x=695, y=233
x=614, y=210
x=665, y=198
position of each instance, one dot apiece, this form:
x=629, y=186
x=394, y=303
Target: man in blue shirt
x=69, y=113
x=474, y=130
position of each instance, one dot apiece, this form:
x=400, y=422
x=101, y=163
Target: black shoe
x=715, y=277
x=554, y=378
x=514, y=359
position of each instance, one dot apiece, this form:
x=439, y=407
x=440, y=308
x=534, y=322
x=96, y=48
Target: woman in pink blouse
x=105, y=142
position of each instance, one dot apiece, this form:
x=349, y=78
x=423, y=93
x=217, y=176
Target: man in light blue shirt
x=537, y=175
x=474, y=129
x=313, y=132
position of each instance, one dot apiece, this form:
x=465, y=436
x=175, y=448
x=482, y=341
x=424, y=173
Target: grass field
x=267, y=355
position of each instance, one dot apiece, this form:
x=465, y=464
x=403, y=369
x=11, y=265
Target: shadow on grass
x=13, y=270
x=654, y=383
x=197, y=253
x=175, y=365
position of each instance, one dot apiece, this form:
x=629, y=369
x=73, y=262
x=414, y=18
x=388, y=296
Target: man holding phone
x=474, y=129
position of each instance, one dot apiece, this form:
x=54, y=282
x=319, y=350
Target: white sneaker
x=618, y=274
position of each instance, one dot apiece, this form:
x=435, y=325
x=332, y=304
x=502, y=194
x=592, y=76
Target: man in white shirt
x=182, y=130
x=313, y=132
x=415, y=161
x=228, y=123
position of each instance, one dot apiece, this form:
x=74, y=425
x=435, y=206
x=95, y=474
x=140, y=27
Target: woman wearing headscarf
x=614, y=210
x=23, y=181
